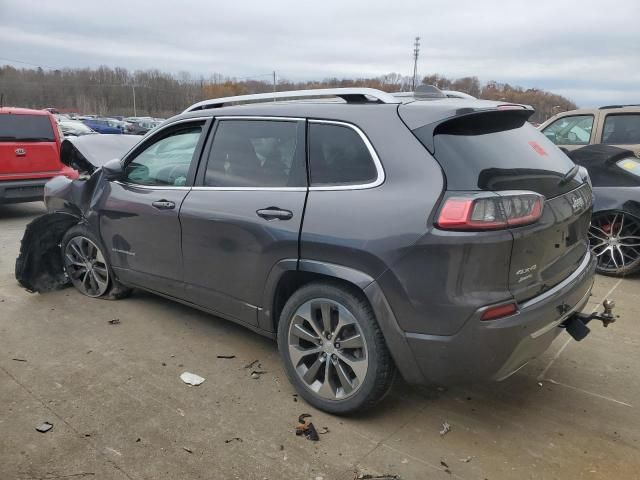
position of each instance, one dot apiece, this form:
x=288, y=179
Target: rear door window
x=338, y=156
x=621, y=129
x=257, y=154
x=25, y=128
x=572, y=130
x=498, y=150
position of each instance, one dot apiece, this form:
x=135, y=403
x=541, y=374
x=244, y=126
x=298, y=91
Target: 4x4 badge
x=21, y=152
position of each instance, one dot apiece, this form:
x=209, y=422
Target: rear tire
x=333, y=350
x=87, y=267
x=614, y=238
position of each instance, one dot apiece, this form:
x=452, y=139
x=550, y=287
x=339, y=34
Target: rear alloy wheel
x=327, y=349
x=614, y=238
x=333, y=349
x=86, y=266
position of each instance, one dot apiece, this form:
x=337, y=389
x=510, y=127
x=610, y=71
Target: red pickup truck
x=29, y=154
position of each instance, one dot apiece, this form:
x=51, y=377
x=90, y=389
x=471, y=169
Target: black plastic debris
x=234, y=439
x=256, y=374
x=305, y=428
x=114, y=321
x=18, y=359
x=226, y=356
x=187, y=450
x=44, y=427
x=385, y=476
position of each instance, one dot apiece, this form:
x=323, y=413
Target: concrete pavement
x=120, y=410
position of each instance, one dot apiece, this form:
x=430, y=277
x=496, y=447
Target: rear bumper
x=17, y=191
x=493, y=350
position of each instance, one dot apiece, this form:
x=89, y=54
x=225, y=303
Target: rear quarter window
x=25, y=128
x=338, y=156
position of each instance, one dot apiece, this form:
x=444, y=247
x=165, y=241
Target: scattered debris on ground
x=446, y=428
x=295, y=397
x=114, y=321
x=323, y=430
x=444, y=464
x=466, y=460
x=191, y=379
x=226, y=356
x=234, y=439
x=256, y=373
x=138, y=440
x=19, y=359
x=252, y=364
x=187, y=450
x=306, y=428
x=44, y=427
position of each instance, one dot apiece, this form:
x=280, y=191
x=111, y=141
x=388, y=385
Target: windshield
x=25, y=128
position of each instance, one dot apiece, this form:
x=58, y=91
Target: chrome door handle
x=274, y=213
x=164, y=205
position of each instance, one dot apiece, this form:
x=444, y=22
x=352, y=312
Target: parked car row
x=106, y=125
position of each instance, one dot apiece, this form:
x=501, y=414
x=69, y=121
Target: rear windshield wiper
x=569, y=175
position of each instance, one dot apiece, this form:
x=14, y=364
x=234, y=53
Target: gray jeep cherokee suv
x=442, y=238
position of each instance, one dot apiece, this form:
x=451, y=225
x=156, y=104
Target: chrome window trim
x=151, y=187
x=251, y=189
x=259, y=117
x=148, y=135
x=374, y=156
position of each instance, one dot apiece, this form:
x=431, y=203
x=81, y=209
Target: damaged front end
x=39, y=266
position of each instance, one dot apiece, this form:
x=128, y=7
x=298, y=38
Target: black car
x=442, y=238
x=615, y=227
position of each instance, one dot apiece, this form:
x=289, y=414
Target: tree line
x=114, y=91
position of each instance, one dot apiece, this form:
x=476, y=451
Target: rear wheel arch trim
x=319, y=269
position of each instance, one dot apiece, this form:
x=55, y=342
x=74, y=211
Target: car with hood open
x=441, y=238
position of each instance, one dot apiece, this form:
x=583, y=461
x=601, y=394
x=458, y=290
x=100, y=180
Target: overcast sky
x=587, y=50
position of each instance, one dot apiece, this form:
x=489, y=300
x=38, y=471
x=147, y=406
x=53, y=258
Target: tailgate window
x=498, y=150
x=25, y=128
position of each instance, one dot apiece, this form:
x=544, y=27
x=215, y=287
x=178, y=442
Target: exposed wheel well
x=39, y=266
x=295, y=279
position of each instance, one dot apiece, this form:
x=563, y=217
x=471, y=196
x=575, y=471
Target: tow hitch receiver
x=576, y=324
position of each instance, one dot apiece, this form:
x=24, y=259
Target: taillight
x=493, y=313
x=494, y=212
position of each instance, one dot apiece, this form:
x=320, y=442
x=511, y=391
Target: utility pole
x=133, y=89
x=416, y=53
x=274, y=84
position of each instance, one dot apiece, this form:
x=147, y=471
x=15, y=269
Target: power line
x=29, y=63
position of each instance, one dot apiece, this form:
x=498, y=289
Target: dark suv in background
x=444, y=238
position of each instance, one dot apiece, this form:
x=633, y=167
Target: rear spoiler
x=469, y=121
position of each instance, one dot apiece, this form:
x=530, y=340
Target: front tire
x=86, y=265
x=333, y=350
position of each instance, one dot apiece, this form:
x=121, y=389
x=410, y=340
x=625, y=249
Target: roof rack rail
x=349, y=95
x=620, y=106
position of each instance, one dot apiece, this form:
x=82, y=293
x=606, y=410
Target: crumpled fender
x=39, y=266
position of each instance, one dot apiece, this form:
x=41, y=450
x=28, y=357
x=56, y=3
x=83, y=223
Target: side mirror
x=113, y=169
